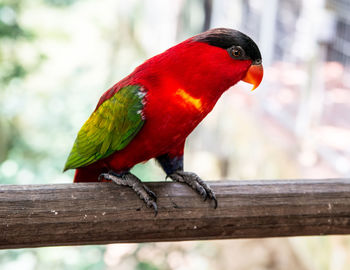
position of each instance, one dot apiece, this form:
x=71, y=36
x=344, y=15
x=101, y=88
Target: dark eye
x=237, y=52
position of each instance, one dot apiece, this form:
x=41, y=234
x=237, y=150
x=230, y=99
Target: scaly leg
x=130, y=180
x=173, y=167
x=195, y=182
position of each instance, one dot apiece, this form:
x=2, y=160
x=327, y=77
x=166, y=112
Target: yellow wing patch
x=188, y=99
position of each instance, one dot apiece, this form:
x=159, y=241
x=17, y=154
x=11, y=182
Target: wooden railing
x=100, y=213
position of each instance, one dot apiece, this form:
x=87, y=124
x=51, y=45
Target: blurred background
x=58, y=56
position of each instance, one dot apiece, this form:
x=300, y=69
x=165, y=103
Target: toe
x=202, y=192
x=101, y=177
x=213, y=197
x=196, y=183
x=150, y=193
x=153, y=204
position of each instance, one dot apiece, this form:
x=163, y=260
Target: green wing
x=110, y=128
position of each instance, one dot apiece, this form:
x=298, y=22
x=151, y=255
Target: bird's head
x=235, y=49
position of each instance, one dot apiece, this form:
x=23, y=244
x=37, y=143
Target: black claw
x=150, y=193
x=211, y=195
x=155, y=207
x=215, y=202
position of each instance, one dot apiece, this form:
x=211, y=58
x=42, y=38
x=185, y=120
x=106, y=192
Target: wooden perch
x=100, y=213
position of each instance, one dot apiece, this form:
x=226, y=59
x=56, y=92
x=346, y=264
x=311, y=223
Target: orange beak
x=254, y=75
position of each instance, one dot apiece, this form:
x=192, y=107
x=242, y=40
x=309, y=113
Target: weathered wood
x=98, y=213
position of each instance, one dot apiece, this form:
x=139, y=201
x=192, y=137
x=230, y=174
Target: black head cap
x=228, y=38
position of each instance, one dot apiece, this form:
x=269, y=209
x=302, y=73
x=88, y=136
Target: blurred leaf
x=60, y=3
x=146, y=266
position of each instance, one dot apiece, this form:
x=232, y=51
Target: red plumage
x=182, y=86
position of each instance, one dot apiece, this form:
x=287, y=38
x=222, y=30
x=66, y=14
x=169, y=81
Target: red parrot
x=150, y=113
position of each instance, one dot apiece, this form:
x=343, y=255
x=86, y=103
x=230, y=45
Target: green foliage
x=56, y=258
x=11, y=33
x=9, y=26
x=146, y=266
x=27, y=114
x=60, y=3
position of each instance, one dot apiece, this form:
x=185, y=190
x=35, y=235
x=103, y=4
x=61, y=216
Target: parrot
x=150, y=113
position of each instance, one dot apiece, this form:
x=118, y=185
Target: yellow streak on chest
x=190, y=100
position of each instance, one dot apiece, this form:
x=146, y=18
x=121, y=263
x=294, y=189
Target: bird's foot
x=130, y=180
x=196, y=183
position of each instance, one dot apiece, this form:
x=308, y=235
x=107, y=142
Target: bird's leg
x=173, y=167
x=195, y=182
x=130, y=180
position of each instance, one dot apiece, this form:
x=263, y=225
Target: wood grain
x=100, y=213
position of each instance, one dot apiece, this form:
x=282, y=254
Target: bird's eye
x=237, y=52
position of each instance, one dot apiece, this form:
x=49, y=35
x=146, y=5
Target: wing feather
x=110, y=128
